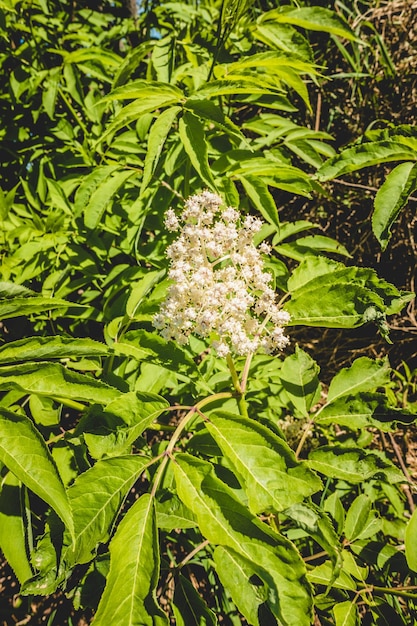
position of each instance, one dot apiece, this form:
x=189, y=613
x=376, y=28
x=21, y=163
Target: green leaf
x=26, y=454
x=411, y=542
x=149, y=99
x=141, y=89
x=188, y=606
x=316, y=523
x=96, y=497
x=42, y=348
x=391, y=198
x=365, y=155
x=261, y=197
x=90, y=184
x=364, y=410
x=312, y=18
x=353, y=464
x=157, y=137
x=248, y=591
x=312, y=244
x=364, y=374
x=324, y=575
x=341, y=305
x=171, y=512
x=15, y=307
x=13, y=534
x=273, y=478
x=346, y=614
x=112, y=431
x=299, y=377
x=327, y=293
x=143, y=345
x=54, y=380
x=357, y=517
x=103, y=195
x=225, y=521
x=193, y=138
x=140, y=290
x=129, y=594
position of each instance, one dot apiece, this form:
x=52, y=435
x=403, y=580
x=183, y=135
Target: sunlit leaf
x=411, y=542
x=54, y=380
x=13, y=532
x=353, y=464
x=42, y=348
x=274, y=479
x=299, y=376
x=364, y=374
x=365, y=155
x=391, y=198
x=194, y=140
x=225, y=521
x=129, y=595
x=25, y=453
x=96, y=497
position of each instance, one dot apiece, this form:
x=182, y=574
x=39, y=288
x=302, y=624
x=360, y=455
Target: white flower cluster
x=220, y=289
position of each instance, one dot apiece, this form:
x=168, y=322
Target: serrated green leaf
x=103, y=195
x=341, y=305
x=42, y=348
x=261, y=197
x=248, y=591
x=54, y=380
x=312, y=18
x=323, y=575
x=13, y=534
x=171, y=512
x=112, y=431
x=364, y=155
x=364, y=374
x=146, y=103
x=346, y=614
x=364, y=410
x=299, y=377
x=15, y=307
x=188, y=606
x=90, y=184
x=25, y=453
x=96, y=497
x=129, y=594
x=273, y=478
x=391, y=198
x=208, y=110
x=156, y=140
x=225, y=521
x=193, y=138
x=140, y=290
x=411, y=542
x=357, y=516
x=312, y=244
x=353, y=464
x=316, y=523
x=143, y=345
x=142, y=89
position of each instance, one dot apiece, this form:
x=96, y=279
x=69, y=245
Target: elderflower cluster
x=220, y=289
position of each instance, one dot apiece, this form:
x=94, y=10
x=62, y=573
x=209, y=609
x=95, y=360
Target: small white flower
x=220, y=289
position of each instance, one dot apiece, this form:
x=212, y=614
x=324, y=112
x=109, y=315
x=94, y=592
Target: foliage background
x=62, y=241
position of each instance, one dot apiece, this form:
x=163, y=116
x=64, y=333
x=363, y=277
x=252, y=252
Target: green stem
x=243, y=407
x=72, y=404
x=382, y=590
x=195, y=410
x=304, y=436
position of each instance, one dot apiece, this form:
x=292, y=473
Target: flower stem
x=195, y=410
x=243, y=407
